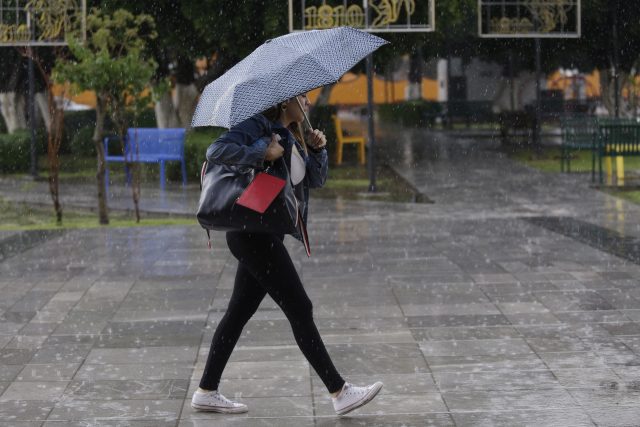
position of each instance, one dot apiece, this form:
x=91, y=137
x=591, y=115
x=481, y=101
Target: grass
x=632, y=196
x=351, y=182
x=549, y=161
x=14, y=217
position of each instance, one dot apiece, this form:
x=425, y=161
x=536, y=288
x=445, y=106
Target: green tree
x=175, y=49
x=115, y=64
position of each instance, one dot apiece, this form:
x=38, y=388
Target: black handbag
x=222, y=185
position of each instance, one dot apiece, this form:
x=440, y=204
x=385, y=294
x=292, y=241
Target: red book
x=261, y=192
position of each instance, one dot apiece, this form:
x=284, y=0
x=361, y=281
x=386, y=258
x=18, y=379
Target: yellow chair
x=342, y=140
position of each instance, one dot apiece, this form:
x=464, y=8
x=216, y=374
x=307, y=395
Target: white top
x=298, y=168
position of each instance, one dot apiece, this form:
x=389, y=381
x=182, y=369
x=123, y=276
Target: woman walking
x=264, y=265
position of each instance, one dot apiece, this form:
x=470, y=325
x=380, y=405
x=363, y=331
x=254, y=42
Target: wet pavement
x=506, y=302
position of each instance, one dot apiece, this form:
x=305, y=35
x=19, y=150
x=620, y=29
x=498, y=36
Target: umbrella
x=280, y=69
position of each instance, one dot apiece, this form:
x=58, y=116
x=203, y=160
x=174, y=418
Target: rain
x=319, y=213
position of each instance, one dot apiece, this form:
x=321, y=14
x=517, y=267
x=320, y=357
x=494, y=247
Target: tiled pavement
x=474, y=310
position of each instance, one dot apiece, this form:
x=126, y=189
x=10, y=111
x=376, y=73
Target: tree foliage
x=115, y=63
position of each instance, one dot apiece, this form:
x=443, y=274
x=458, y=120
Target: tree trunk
x=12, y=107
x=186, y=97
x=166, y=115
x=54, y=139
x=608, y=95
x=98, y=134
x=120, y=120
x=325, y=94
x=415, y=75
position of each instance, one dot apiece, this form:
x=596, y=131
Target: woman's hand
x=316, y=139
x=274, y=149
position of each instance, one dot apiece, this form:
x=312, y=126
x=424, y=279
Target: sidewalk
x=503, y=303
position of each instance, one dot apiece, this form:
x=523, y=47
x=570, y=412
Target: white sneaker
x=213, y=401
x=352, y=397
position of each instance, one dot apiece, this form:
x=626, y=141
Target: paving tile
x=383, y=420
x=479, y=363
x=556, y=417
x=475, y=347
x=247, y=421
x=508, y=400
x=48, y=372
x=15, y=356
x=142, y=355
x=501, y=380
x=29, y=390
x=127, y=389
x=265, y=369
x=133, y=371
x=589, y=378
x=24, y=410
x=95, y=412
x=614, y=415
x=9, y=372
x=60, y=353
x=464, y=333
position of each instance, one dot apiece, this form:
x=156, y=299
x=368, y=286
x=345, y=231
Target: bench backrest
x=153, y=141
x=623, y=139
x=579, y=130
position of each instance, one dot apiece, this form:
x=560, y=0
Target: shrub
x=410, y=113
x=15, y=152
x=81, y=144
x=195, y=149
x=3, y=125
x=78, y=121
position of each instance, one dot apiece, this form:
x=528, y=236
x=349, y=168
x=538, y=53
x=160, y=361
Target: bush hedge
x=195, y=149
x=15, y=152
x=76, y=124
x=411, y=113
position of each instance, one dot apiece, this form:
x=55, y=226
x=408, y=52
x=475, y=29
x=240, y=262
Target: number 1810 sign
x=368, y=15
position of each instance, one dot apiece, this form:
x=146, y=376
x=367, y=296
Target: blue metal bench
x=149, y=145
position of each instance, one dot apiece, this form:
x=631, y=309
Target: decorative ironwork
x=368, y=15
x=40, y=22
x=529, y=18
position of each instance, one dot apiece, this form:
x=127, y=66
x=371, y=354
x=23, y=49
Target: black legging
x=266, y=267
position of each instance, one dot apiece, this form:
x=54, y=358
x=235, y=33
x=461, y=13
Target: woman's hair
x=273, y=114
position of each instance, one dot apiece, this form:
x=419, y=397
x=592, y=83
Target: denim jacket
x=246, y=144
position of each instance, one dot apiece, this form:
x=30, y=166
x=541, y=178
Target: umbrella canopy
x=280, y=69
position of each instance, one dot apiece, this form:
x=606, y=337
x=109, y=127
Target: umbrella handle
x=306, y=118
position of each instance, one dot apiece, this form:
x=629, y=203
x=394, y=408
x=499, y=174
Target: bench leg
x=162, y=177
x=184, y=174
x=620, y=170
x=608, y=166
x=600, y=168
x=339, y=154
x=361, y=153
x=127, y=174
